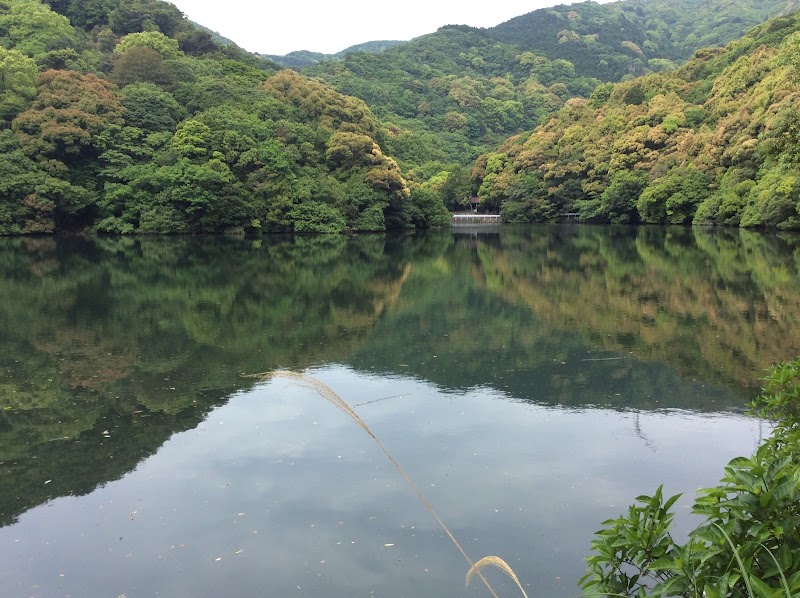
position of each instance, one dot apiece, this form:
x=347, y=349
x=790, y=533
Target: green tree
x=618, y=201
x=151, y=109
x=141, y=64
x=680, y=206
x=32, y=201
x=533, y=209
x=749, y=540
x=192, y=139
x=158, y=42
x=347, y=150
x=773, y=201
x=457, y=188
x=18, y=75
x=31, y=28
x=69, y=111
x=86, y=14
x=674, y=197
x=197, y=42
x=315, y=217
x=135, y=16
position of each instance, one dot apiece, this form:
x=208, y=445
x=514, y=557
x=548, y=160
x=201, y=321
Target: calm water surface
x=531, y=383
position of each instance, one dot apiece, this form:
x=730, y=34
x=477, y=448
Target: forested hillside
x=716, y=141
x=123, y=117
x=633, y=37
x=456, y=93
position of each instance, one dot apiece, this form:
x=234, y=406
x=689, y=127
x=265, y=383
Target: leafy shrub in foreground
x=749, y=543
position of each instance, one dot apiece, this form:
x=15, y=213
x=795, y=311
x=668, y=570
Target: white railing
x=468, y=219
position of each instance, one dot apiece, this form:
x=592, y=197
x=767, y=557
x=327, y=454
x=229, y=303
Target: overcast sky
x=327, y=26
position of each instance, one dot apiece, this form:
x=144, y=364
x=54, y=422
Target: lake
x=530, y=382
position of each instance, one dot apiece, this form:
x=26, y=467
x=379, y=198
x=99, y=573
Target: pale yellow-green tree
x=17, y=82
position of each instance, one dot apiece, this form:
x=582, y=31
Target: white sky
x=329, y=26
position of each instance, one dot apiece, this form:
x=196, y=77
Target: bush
x=749, y=543
x=316, y=217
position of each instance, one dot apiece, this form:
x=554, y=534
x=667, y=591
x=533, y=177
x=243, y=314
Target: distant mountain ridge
x=216, y=36
x=302, y=58
x=601, y=40
x=611, y=40
x=453, y=94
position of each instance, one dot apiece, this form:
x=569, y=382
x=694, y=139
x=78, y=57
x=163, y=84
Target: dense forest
x=716, y=141
x=122, y=117
x=125, y=117
x=455, y=94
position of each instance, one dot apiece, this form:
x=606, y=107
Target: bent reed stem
x=330, y=395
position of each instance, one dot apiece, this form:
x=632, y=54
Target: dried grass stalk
x=329, y=395
x=495, y=561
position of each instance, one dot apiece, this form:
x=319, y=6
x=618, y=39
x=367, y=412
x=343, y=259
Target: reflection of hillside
x=448, y=330
x=142, y=337
x=702, y=301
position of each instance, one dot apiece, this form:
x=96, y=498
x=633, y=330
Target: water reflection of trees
x=725, y=302
x=142, y=337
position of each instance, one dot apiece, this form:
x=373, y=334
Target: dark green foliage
x=424, y=209
x=618, y=201
x=315, y=217
x=535, y=209
x=525, y=202
x=634, y=96
x=197, y=42
x=133, y=16
x=151, y=109
x=141, y=65
x=457, y=189
x=86, y=14
x=749, y=541
x=673, y=198
x=612, y=40
x=31, y=199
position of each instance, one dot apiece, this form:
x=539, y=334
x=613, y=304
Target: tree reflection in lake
x=110, y=347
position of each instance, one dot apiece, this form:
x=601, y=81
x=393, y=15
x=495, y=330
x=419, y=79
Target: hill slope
x=612, y=40
x=716, y=141
x=455, y=93
x=120, y=116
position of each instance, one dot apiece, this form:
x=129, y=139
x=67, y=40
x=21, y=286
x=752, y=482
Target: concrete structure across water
x=473, y=219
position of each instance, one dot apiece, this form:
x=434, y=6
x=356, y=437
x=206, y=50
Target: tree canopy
x=712, y=142
x=148, y=124
x=123, y=117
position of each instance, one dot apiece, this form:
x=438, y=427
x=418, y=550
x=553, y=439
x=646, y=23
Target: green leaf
x=665, y=564
x=784, y=489
x=671, y=501
x=761, y=589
